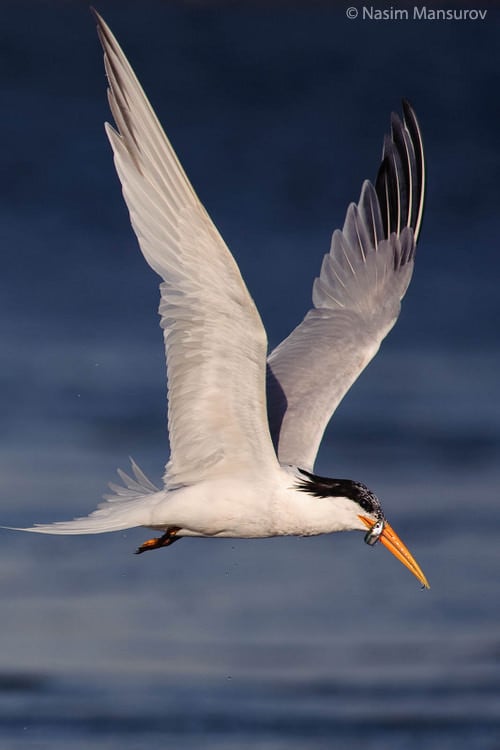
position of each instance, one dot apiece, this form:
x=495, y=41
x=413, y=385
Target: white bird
x=239, y=467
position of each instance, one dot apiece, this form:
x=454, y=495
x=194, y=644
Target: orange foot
x=168, y=538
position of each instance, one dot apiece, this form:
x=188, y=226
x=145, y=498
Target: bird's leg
x=168, y=538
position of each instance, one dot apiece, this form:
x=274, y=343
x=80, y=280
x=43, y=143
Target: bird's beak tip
x=393, y=543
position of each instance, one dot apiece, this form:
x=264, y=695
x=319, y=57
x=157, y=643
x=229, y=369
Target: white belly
x=244, y=507
x=219, y=507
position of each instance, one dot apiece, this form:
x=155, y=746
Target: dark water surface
x=278, y=116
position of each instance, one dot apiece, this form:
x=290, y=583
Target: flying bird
x=245, y=429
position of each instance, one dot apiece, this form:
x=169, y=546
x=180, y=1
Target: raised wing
x=356, y=299
x=214, y=338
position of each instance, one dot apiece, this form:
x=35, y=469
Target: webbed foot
x=168, y=538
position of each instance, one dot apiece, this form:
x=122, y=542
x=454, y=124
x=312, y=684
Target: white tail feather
x=124, y=509
x=132, y=488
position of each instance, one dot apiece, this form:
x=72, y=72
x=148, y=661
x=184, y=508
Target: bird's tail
x=125, y=508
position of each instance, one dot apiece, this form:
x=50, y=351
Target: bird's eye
x=373, y=535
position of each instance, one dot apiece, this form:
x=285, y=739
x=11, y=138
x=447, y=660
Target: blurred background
x=277, y=112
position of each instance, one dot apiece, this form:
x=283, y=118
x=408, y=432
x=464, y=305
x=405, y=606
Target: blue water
x=278, y=116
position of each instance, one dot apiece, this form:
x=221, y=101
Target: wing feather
x=214, y=338
x=356, y=299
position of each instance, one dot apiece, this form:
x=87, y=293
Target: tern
x=245, y=428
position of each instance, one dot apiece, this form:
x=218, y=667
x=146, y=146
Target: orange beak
x=390, y=539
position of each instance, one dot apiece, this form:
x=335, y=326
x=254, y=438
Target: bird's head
x=358, y=508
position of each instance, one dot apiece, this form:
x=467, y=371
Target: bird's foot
x=168, y=538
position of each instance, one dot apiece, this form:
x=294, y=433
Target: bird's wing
x=356, y=299
x=214, y=338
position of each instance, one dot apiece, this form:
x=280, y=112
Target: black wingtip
x=103, y=31
x=100, y=24
x=400, y=182
x=413, y=127
x=407, y=107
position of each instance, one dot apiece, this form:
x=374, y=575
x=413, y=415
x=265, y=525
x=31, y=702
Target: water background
x=277, y=115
